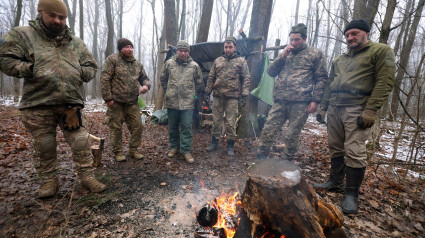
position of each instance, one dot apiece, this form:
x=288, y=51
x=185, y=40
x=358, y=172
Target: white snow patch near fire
x=294, y=176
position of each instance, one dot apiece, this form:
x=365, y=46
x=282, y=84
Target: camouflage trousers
x=225, y=109
x=116, y=115
x=180, y=129
x=42, y=122
x=345, y=138
x=295, y=114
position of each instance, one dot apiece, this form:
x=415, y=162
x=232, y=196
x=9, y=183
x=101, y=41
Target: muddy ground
x=159, y=196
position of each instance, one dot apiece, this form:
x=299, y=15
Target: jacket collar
x=125, y=59
x=41, y=28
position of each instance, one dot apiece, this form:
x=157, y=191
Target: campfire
x=277, y=202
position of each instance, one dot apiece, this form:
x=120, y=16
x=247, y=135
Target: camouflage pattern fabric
x=228, y=107
x=120, y=79
x=365, y=78
x=116, y=115
x=296, y=114
x=181, y=81
x=229, y=77
x=301, y=75
x=41, y=122
x=53, y=67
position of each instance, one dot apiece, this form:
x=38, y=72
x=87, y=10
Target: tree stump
x=278, y=201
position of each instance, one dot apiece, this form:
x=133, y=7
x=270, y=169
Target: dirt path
x=159, y=196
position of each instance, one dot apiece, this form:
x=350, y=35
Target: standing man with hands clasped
x=181, y=80
x=359, y=82
x=302, y=75
x=229, y=80
x=121, y=77
x=54, y=65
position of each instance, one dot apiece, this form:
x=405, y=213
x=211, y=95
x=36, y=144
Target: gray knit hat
x=231, y=38
x=182, y=45
x=122, y=43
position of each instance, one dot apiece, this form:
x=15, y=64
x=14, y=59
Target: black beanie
x=123, y=42
x=299, y=28
x=358, y=24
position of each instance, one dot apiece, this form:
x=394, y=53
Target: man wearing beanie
x=122, y=79
x=181, y=80
x=359, y=82
x=54, y=65
x=301, y=77
x=229, y=81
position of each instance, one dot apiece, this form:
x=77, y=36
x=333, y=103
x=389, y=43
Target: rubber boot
x=135, y=154
x=214, y=144
x=336, y=178
x=353, y=180
x=49, y=188
x=230, y=147
x=89, y=182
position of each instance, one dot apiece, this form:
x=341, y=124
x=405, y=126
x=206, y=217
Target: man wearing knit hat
x=301, y=77
x=359, y=83
x=54, y=65
x=122, y=79
x=229, y=81
x=181, y=80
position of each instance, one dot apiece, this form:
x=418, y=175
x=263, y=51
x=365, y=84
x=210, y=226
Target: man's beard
x=55, y=30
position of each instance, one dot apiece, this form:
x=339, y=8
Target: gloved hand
x=72, y=118
x=206, y=97
x=366, y=119
x=242, y=101
x=321, y=115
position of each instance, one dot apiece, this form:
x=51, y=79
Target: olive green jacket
x=362, y=78
x=180, y=82
x=54, y=67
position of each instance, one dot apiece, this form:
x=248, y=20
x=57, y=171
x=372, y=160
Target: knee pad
x=81, y=142
x=45, y=145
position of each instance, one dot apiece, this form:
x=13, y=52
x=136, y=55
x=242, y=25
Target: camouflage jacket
x=362, y=78
x=229, y=77
x=302, y=76
x=181, y=81
x=53, y=67
x=120, y=79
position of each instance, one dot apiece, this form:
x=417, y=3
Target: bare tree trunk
x=246, y=13
x=204, y=24
x=71, y=14
x=386, y=24
x=183, y=21
x=259, y=26
x=120, y=14
x=297, y=9
x=365, y=9
x=404, y=58
x=110, y=43
x=316, y=29
x=95, y=81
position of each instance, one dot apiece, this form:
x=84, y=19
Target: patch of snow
x=294, y=176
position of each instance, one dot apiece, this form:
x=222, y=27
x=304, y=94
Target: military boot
x=214, y=144
x=353, y=180
x=135, y=154
x=119, y=157
x=89, y=182
x=336, y=178
x=230, y=147
x=172, y=152
x=188, y=157
x=49, y=188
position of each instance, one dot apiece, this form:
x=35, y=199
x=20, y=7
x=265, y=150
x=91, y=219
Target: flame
x=226, y=205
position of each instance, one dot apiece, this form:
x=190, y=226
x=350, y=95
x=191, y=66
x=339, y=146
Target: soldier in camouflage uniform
x=359, y=82
x=181, y=79
x=120, y=79
x=229, y=80
x=302, y=75
x=54, y=65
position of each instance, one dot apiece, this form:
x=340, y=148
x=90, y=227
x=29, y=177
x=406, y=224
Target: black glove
x=321, y=115
x=242, y=101
x=72, y=119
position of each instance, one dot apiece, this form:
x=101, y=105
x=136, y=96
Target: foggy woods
x=159, y=196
